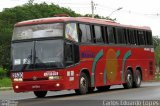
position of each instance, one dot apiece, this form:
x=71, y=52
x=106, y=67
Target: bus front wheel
x=40, y=94
x=83, y=84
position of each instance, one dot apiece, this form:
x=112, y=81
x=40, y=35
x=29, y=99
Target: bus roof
x=79, y=19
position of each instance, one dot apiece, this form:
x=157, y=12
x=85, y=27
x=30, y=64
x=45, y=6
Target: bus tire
x=83, y=84
x=138, y=79
x=129, y=80
x=40, y=94
x=103, y=88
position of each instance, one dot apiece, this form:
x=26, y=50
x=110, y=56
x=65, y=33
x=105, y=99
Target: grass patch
x=5, y=82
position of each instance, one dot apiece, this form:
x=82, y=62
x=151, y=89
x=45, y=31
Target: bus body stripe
x=98, y=56
x=127, y=55
x=118, y=53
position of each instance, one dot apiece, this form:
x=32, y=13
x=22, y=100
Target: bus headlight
x=54, y=77
x=18, y=79
x=50, y=78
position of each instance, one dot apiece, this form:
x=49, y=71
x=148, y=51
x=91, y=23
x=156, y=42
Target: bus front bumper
x=47, y=85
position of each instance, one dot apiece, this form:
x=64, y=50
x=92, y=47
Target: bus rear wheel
x=40, y=94
x=83, y=84
x=129, y=80
x=138, y=79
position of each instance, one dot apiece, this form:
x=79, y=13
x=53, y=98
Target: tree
x=156, y=43
x=28, y=11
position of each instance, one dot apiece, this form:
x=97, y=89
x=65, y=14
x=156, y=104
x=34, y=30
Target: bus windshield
x=47, y=54
x=38, y=31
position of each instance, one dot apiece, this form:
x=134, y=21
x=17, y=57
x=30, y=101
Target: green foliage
x=5, y=82
x=3, y=73
x=10, y=16
x=157, y=76
x=156, y=43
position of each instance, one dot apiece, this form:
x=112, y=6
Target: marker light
x=16, y=87
x=57, y=84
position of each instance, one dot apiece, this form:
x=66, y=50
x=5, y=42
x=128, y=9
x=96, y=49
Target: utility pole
x=93, y=7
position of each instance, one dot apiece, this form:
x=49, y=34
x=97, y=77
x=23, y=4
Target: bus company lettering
x=87, y=54
x=50, y=73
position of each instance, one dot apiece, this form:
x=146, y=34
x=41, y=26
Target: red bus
x=65, y=53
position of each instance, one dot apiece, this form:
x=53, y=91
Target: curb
x=5, y=88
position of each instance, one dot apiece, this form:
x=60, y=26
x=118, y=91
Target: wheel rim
x=138, y=79
x=129, y=79
x=83, y=83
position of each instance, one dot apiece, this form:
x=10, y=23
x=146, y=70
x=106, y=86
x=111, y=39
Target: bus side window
x=84, y=33
x=136, y=37
x=141, y=37
x=103, y=34
x=71, y=32
x=106, y=34
x=76, y=53
x=131, y=36
x=120, y=36
x=145, y=39
x=69, y=58
x=111, y=36
x=126, y=36
x=71, y=53
x=149, y=38
x=98, y=34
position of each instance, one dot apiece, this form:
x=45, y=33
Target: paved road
x=148, y=91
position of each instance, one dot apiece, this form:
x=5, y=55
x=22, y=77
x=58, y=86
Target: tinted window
x=136, y=37
x=22, y=53
x=49, y=54
x=71, y=53
x=69, y=58
x=131, y=37
x=84, y=33
x=110, y=33
x=126, y=36
x=38, y=31
x=98, y=34
x=141, y=37
x=120, y=36
x=149, y=38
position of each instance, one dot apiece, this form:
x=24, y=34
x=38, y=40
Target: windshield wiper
x=26, y=61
